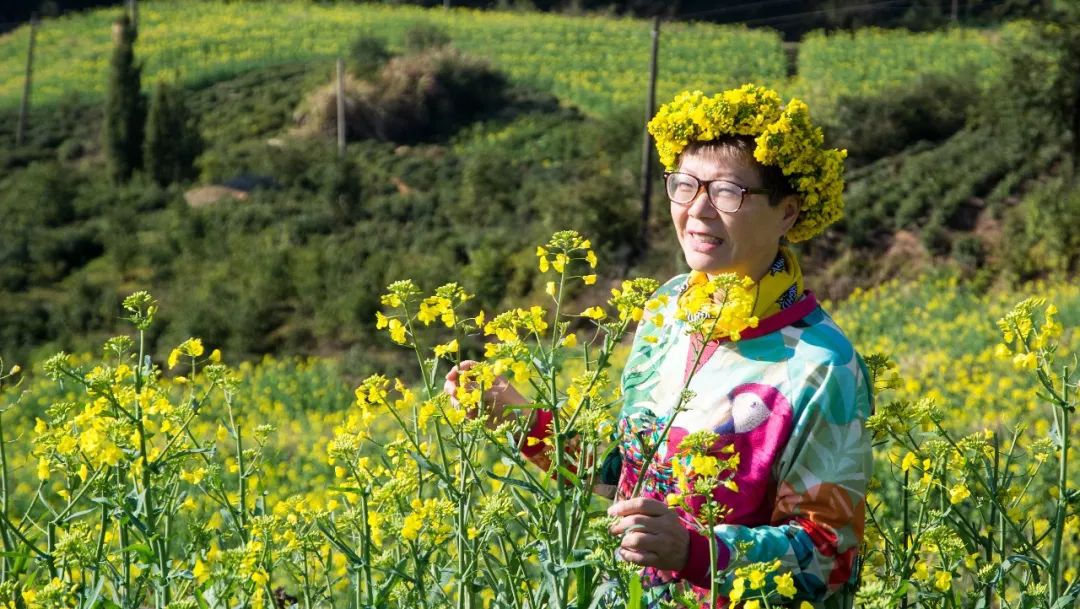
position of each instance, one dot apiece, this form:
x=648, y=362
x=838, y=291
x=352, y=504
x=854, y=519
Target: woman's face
x=743, y=242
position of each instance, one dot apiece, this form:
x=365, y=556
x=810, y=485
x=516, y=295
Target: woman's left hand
x=652, y=535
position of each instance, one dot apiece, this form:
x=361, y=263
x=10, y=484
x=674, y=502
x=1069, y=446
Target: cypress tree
x=124, y=106
x=172, y=137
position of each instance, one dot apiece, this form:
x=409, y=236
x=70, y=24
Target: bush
x=881, y=125
x=172, y=137
x=125, y=108
x=415, y=98
x=425, y=36
x=1040, y=233
x=367, y=55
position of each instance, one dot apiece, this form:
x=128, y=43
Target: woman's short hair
x=740, y=149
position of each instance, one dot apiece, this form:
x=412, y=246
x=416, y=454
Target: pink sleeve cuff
x=541, y=429
x=697, y=571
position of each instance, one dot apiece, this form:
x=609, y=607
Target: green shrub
x=886, y=123
x=367, y=55
x=415, y=98
x=1040, y=233
x=125, y=108
x=172, y=137
x=424, y=36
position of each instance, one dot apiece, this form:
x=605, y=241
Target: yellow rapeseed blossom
x=943, y=581
x=447, y=349
x=785, y=584
x=1025, y=361
x=594, y=313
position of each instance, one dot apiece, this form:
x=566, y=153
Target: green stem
x=4, y=564
x=1062, y=499
x=655, y=446
x=365, y=548
x=905, y=539
x=712, y=571
x=242, y=482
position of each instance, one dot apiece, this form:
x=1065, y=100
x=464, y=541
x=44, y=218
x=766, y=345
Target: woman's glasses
x=725, y=196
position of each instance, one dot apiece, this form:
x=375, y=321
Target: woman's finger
x=634, y=521
x=638, y=505
x=640, y=541
x=645, y=559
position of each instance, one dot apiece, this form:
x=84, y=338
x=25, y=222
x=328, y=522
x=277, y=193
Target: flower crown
x=785, y=138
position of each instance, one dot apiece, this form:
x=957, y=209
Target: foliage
x=874, y=126
x=125, y=112
x=1039, y=231
x=367, y=55
x=425, y=36
x=418, y=97
x=172, y=137
x=1043, y=62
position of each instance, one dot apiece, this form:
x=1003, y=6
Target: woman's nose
x=700, y=205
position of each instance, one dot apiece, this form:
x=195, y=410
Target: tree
x=172, y=137
x=125, y=112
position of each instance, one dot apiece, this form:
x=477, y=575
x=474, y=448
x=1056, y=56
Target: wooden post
x=955, y=11
x=24, y=105
x=133, y=13
x=646, y=141
x=341, y=107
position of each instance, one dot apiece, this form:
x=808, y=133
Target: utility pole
x=133, y=13
x=646, y=141
x=341, y=107
x=24, y=105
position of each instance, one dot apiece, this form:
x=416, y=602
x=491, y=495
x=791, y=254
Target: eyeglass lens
x=683, y=188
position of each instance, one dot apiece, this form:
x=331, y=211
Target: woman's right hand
x=497, y=398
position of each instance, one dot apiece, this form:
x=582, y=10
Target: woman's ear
x=790, y=206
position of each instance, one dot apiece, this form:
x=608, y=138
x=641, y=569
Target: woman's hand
x=652, y=534
x=497, y=398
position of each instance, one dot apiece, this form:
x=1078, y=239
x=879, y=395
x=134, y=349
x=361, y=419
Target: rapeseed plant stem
x=4, y=563
x=1062, y=483
x=648, y=455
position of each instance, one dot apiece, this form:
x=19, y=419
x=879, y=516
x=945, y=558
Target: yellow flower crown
x=784, y=136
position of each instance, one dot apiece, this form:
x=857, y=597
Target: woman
x=790, y=397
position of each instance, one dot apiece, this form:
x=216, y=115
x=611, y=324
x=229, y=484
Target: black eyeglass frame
x=704, y=184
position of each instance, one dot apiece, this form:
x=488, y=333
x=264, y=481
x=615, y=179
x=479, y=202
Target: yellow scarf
x=780, y=288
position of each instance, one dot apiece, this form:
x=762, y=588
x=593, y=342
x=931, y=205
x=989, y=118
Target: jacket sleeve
x=819, y=514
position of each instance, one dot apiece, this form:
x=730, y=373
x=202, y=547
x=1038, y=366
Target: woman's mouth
x=704, y=242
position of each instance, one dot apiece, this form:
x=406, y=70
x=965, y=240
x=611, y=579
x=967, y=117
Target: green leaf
x=143, y=550
x=571, y=476
x=634, y=602
x=518, y=483
x=601, y=591
x=1068, y=599
x=95, y=594
x=332, y=536
x=583, y=574
x=77, y=515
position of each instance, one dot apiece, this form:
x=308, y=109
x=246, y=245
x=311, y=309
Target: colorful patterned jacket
x=792, y=397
